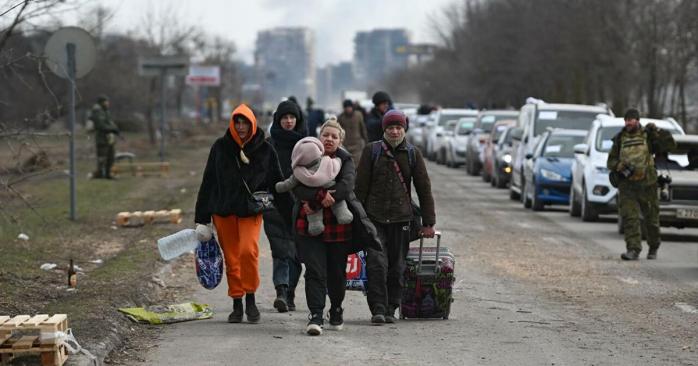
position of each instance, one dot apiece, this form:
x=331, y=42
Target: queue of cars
x=555, y=154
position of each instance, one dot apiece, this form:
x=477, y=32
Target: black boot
x=289, y=299
x=652, y=254
x=630, y=255
x=236, y=315
x=281, y=301
x=251, y=311
x=390, y=314
x=378, y=314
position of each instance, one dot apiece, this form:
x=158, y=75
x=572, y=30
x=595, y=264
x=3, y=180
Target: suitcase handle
x=421, y=248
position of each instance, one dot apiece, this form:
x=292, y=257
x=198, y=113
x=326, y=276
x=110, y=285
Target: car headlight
x=602, y=170
x=506, y=158
x=549, y=174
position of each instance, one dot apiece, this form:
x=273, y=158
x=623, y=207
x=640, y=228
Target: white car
x=415, y=133
x=434, y=130
x=592, y=193
x=456, y=144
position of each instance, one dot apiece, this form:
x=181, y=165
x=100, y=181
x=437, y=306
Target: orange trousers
x=239, y=240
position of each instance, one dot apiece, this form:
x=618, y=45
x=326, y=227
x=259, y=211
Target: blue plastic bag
x=209, y=264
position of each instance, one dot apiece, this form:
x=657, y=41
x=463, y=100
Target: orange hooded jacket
x=245, y=111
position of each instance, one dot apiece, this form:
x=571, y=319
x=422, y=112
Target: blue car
x=549, y=168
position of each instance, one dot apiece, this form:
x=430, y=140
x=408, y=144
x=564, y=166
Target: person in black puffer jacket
x=240, y=163
x=374, y=120
x=287, y=128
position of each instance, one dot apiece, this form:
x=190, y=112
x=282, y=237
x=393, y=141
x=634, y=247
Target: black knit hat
x=287, y=107
x=381, y=97
x=347, y=103
x=632, y=113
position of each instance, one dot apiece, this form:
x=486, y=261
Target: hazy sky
x=335, y=21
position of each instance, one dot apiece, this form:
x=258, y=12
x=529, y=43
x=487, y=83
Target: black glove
x=651, y=127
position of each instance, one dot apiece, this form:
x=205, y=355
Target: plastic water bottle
x=172, y=246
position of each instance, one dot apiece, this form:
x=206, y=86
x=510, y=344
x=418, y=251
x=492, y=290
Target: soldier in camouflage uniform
x=631, y=161
x=105, y=136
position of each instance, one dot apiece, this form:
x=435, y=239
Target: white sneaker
x=313, y=329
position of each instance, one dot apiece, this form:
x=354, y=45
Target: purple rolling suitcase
x=428, y=278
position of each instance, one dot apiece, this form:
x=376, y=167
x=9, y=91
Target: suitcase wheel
x=446, y=317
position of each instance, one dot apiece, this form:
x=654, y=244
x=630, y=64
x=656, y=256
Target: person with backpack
x=387, y=170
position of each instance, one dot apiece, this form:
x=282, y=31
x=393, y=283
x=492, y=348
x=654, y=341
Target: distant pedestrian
x=325, y=256
x=386, y=172
x=241, y=164
x=288, y=127
x=315, y=117
x=353, y=123
x=106, y=132
x=631, y=162
x=381, y=104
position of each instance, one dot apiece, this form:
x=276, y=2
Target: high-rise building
x=332, y=81
x=376, y=55
x=285, y=63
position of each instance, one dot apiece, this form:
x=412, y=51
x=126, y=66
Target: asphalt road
x=531, y=289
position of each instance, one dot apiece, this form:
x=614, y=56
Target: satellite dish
x=57, y=55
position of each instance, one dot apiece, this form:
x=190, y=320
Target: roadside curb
x=115, y=336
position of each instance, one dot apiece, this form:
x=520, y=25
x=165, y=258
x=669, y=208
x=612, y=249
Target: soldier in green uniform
x=105, y=136
x=631, y=162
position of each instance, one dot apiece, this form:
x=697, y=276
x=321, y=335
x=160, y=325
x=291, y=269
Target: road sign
x=162, y=66
x=70, y=53
x=200, y=75
x=416, y=49
x=57, y=57
x=153, y=66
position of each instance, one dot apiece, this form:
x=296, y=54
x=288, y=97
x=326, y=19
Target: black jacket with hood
x=283, y=141
x=222, y=191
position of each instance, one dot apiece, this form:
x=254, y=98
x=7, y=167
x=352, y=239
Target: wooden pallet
x=141, y=169
x=139, y=218
x=21, y=335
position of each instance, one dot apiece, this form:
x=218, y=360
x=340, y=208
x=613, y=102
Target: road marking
x=628, y=280
x=686, y=308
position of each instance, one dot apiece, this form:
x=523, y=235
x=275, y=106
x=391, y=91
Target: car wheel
x=513, y=195
x=493, y=181
x=575, y=208
x=588, y=212
x=536, y=203
x=524, y=196
x=485, y=177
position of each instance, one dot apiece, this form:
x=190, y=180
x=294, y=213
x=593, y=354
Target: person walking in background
x=383, y=185
x=381, y=104
x=315, y=117
x=106, y=132
x=353, y=124
x=239, y=163
x=325, y=255
x=288, y=127
x=631, y=162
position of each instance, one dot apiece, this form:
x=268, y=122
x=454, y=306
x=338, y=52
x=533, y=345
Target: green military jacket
x=104, y=125
x=639, y=146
